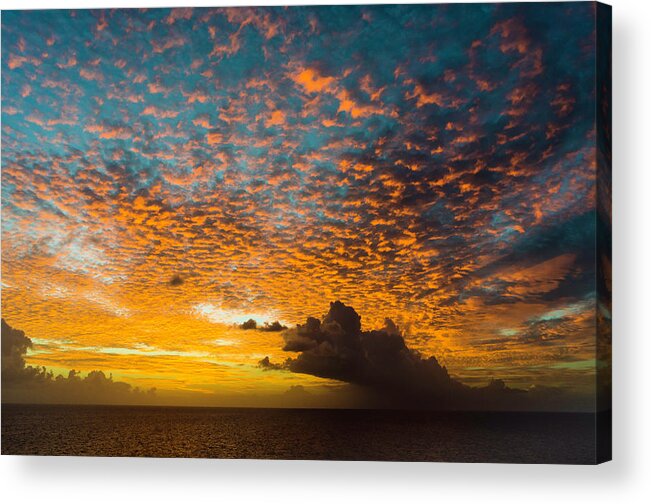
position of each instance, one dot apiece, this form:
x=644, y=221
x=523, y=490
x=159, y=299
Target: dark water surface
x=128, y=431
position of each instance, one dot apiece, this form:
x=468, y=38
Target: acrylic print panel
x=350, y=232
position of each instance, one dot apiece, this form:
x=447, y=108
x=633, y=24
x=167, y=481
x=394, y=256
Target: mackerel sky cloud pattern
x=430, y=164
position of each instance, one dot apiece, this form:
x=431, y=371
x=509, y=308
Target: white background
x=625, y=480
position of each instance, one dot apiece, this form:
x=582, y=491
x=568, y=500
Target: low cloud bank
x=23, y=383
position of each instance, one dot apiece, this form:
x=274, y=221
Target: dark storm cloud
x=381, y=362
x=337, y=348
x=22, y=383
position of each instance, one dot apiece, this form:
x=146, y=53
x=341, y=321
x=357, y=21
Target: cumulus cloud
x=268, y=327
x=249, y=324
x=23, y=383
x=337, y=348
x=379, y=360
x=273, y=327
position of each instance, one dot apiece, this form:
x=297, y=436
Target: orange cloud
x=160, y=113
x=313, y=82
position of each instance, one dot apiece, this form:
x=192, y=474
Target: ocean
x=311, y=434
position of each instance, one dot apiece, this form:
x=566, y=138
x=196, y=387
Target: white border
x=627, y=479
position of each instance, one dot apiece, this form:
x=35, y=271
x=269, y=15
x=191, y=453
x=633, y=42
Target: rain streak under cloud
x=170, y=174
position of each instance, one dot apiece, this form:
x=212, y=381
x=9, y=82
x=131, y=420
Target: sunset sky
x=170, y=174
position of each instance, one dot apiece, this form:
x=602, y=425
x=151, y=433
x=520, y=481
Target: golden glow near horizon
x=164, y=179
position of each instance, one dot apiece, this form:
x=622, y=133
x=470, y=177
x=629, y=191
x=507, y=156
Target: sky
x=168, y=175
